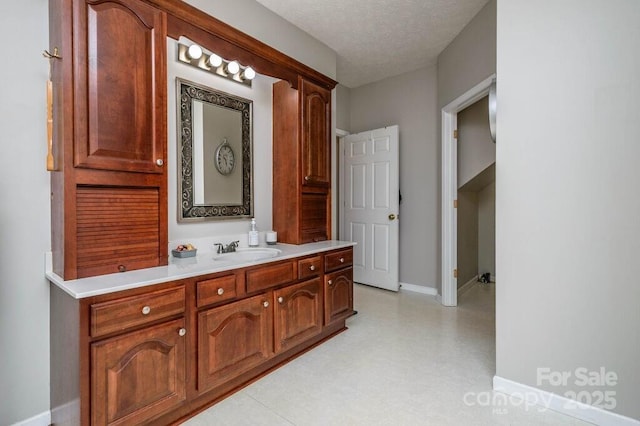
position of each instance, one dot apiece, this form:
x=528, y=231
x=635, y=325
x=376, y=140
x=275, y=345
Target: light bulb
x=215, y=60
x=249, y=73
x=233, y=67
x=194, y=51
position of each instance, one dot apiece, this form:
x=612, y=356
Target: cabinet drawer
x=121, y=314
x=216, y=290
x=338, y=259
x=269, y=276
x=309, y=267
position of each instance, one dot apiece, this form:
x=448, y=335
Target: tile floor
x=405, y=360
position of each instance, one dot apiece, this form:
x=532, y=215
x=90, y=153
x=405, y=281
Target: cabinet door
x=338, y=295
x=316, y=134
x=139, y=375
x=120, y=92
x=232, y=339
x=298, y=313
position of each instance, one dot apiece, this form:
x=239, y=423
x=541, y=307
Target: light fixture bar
x=195, y=56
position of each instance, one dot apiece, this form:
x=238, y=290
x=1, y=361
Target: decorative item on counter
x=184, y=250
x=254, y=236
x=271, y=237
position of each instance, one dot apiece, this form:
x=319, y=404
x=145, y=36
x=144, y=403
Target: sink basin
x=250, y=254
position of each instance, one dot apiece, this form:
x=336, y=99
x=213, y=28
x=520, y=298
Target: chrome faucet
x=229, y=248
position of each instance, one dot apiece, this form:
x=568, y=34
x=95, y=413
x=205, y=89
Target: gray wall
x=343, y=108
x=467, y=236
x=487, y=230
x=470, y=57
x=567, y=200
x=25, y=209
x=409, y=100
x=476, y=150
x=24, y=213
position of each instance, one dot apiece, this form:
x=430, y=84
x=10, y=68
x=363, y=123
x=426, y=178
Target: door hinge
x=455, y=273
x=455, y=204
x=455, y=134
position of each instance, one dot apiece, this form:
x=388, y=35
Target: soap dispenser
x=254, y=239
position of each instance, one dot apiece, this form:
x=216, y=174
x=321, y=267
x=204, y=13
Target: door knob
x=392, y=216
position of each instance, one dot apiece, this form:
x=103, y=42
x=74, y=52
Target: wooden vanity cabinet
x=139, y=375
x=233, y=339
x=109, y=189
x=338, y=285
x=297, y=313
x=302, y=162
x=338, y=295
x=158, y=354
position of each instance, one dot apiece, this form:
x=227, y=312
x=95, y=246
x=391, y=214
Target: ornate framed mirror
x=214, y=154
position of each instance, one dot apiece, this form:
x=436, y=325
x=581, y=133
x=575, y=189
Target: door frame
x=449, y=287
x=340, y=134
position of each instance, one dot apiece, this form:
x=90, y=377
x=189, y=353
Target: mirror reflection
x=215, y=153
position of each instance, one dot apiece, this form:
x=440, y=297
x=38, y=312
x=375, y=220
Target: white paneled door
x=369, y=203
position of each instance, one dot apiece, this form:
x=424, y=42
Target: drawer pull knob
x=220, y=291
x=159, y=161
x=146, y=310
x=342, y=260
x=265, y=304
x=312, y=267
x=182, y=332
x=280, y=299
x=122, y=268
x=330, y=282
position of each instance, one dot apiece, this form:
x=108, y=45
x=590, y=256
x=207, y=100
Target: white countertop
x=201, y=264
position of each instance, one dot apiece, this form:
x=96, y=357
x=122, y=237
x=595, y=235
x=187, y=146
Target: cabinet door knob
x=330, y=282
x=265, y=304
x=160, y=162
x=182, y=332
x=312, y=267
x=307, y=178
x=122, y=268
x=280, y=299
x=220, y=291
x=146, y=310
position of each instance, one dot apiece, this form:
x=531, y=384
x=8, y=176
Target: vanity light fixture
x=249, y=73
x=231, y=70
x=233, y=67
x=214, y=60
x=194, y=52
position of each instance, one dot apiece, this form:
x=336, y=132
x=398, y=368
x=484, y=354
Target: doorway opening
x=449, y=290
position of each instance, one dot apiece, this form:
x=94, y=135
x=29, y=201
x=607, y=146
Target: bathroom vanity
x=158, y=345
x=137, y=337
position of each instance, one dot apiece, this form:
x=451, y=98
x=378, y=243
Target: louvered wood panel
x=315, y=222
x=117, y=229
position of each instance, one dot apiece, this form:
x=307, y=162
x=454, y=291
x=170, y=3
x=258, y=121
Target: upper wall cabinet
x=301, y=155
x=109, y=190
x=316, y=131
x=120, y=86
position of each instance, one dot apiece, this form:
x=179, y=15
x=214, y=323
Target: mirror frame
x=187, y=92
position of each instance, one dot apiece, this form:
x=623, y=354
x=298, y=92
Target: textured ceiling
x=375, y=39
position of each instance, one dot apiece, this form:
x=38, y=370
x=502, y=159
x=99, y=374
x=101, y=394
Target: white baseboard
x=468, y=285
x=561, y=404
x=419, y=289
x=42, y=419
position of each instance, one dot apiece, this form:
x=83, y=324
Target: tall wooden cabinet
x=302, y=162
x=109, y=190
